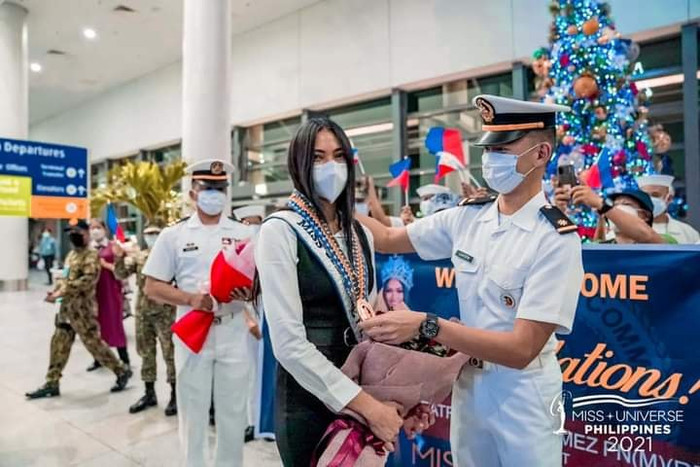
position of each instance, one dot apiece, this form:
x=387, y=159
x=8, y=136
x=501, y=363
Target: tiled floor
x=86, y=426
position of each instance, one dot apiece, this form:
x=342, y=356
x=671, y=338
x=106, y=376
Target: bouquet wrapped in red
x=232, y=268
x=400, y=376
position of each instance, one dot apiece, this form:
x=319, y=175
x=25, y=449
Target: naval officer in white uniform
x=184, y=253
x=518, y=274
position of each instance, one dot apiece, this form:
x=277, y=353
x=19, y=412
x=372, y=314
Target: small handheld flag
x=447, y=163
x=357, y=161
x=113, y=223
x=400, y=171
x=448, y=140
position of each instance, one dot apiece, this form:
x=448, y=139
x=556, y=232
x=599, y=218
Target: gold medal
x=365, y=310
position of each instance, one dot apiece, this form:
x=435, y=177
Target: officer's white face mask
x=499, y=169
x=660, y=205
x=150, y=240
x=330, y=179
x=211, y=202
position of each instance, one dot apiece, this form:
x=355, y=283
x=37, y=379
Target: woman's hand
x=419, y=419
x=395, y=327
x=201, y=302
x=385, y=422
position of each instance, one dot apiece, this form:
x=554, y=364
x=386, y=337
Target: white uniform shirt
x=522, y=268
x=682, y=232
x=276, y=259
x=185, y=251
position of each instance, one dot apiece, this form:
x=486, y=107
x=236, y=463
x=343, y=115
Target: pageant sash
x=315, y=246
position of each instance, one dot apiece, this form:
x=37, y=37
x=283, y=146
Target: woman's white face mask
x=330, y=179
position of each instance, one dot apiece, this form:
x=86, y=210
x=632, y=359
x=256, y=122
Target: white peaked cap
x=431, y=189
x=250, y=211
x=656, y=179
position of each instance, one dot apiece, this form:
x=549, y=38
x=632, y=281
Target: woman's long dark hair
x=300, y=162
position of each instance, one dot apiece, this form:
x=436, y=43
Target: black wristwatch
x=429, y=328
x=607, y=206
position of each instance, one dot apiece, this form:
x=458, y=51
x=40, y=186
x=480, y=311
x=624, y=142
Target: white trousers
x=501, y=416
x=222, y=364
x=253, y=354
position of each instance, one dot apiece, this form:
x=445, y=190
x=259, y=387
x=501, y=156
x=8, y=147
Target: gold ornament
x=591, y=26
x=585, y=86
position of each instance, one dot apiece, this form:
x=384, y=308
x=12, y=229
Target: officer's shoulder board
x=184, y=219
x=558, y=219
x=477, y=201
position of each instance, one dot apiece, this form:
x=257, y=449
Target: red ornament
x=564, y=60
x=633, y=87
x=589, y=149
x=619, y=158
x=642, y=150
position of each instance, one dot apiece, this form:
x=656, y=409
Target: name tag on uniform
x=465, y=256
x=226, y=241
x=190, y=247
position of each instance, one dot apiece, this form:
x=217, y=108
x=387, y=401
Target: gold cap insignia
x=217, y=168
x=486, y=109
x=562, y=222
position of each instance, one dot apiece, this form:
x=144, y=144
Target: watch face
x=429, y=328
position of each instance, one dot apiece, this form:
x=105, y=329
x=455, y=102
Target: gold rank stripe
x=568, y=228
x=513, y=126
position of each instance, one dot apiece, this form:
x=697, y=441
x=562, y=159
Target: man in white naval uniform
x=660, y=188
x=183, y=254
x=518, y=272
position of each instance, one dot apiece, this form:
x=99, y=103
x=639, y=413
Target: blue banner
x=631, y=367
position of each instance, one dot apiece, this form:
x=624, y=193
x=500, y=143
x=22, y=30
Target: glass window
x=459, y=93
x=165, y=155
x=266, y=148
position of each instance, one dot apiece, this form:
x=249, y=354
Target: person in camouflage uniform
x=153, y=321
x=77, y=315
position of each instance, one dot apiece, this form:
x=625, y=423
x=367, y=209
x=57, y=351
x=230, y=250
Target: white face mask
x=499, y=169
x=97, y=234
x=660, y=205
x=425, y=207
x=362, y=208
x=330, y=179
x=211, y=202
x=150, y=240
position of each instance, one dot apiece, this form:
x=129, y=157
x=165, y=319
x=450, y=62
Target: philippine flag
x=449, y=140
x=447, y=163
x=598, y=175
x=113, y=223
x=400, y=171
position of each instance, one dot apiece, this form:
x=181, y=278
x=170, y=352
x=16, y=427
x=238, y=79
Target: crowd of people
x=316, y=272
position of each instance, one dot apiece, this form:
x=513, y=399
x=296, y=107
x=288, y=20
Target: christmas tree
x=588, y=67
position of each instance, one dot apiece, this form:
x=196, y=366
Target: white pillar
x=206, y=80
x=14, y=121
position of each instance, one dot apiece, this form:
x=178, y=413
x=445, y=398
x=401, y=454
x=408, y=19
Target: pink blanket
x=393, y=375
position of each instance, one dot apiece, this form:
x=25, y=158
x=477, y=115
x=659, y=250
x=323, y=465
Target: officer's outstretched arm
x=515, y=349
x=164, y=292
x=387, y=239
